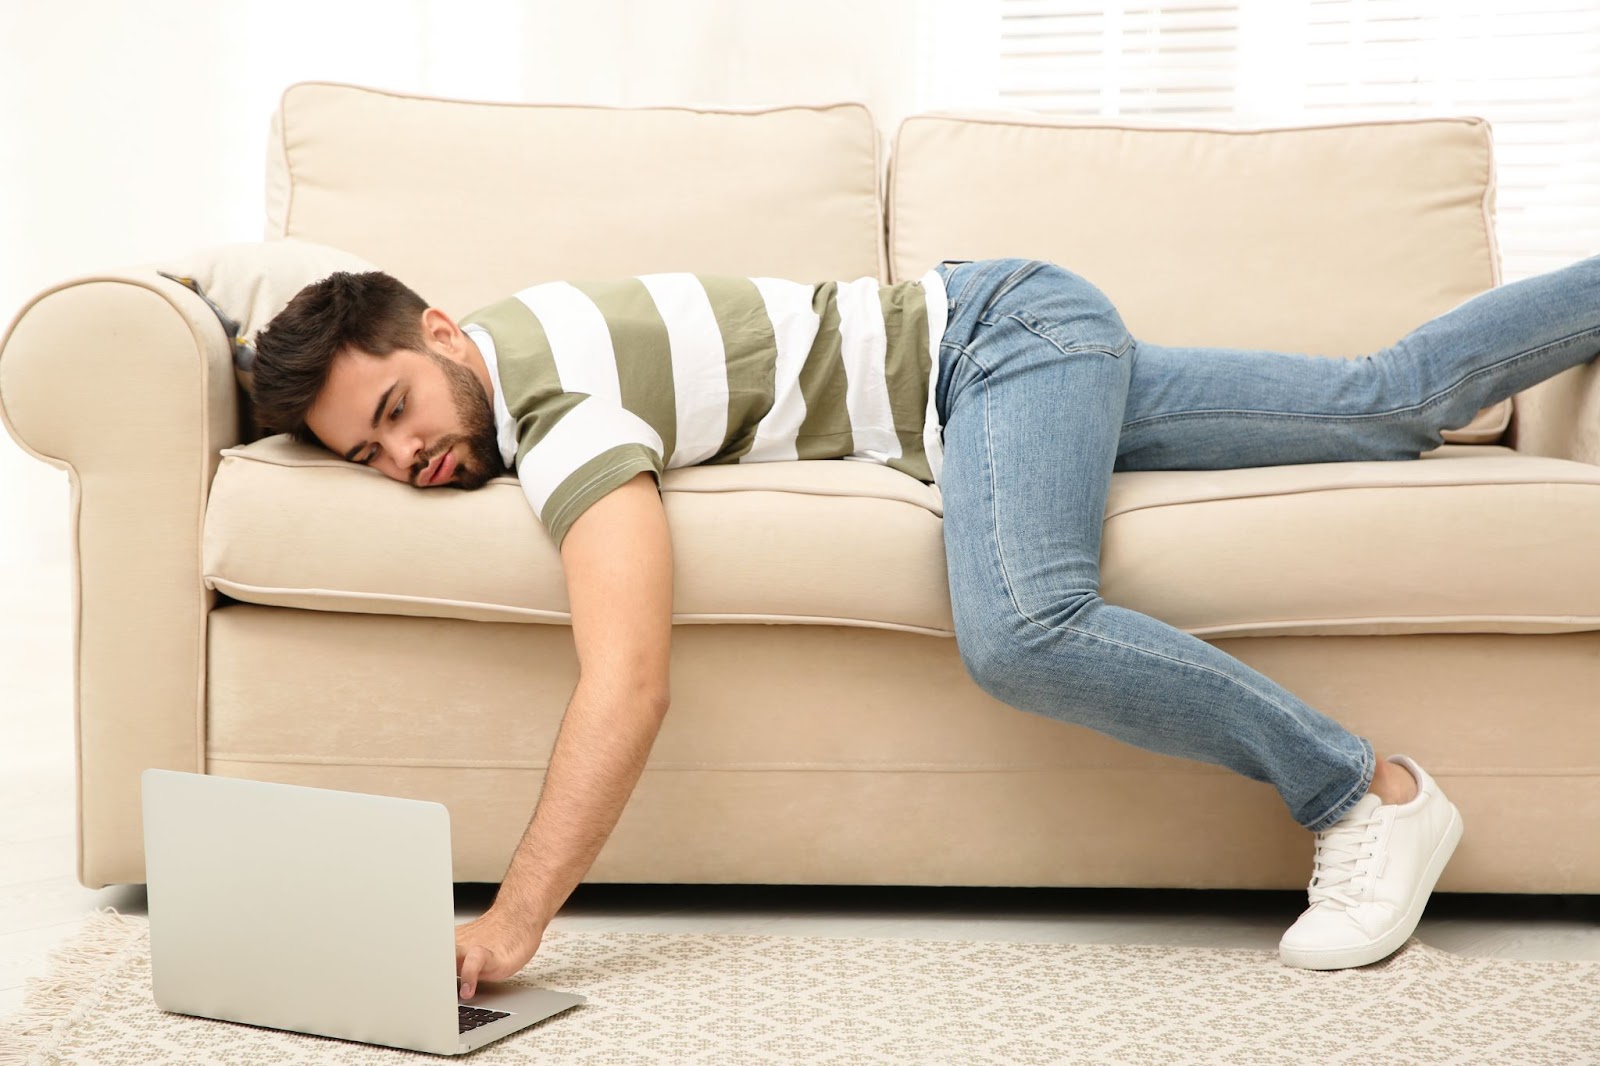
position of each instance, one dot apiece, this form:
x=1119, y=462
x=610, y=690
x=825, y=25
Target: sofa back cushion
x=1330, y=240
x=468, y=202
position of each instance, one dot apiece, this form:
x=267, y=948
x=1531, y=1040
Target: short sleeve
x=590, y=449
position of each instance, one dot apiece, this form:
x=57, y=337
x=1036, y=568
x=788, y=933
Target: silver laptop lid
x=303, y=909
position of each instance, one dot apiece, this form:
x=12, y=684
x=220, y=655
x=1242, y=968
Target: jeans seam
x=957, y=298
x=964, y=352
x=1016, y=278
x=994, y=500
x=1394, y=413
x=1265, y=416
x=1011, y=595
x=1369, y=770
x=1067, y=349
x=1510, y=360
x=1148, y=651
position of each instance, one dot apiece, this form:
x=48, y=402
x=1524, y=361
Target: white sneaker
x=1375, y=869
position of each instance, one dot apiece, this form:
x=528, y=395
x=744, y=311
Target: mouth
x=439, y=470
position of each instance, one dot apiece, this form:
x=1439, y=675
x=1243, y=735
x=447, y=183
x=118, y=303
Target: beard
x=477, y=428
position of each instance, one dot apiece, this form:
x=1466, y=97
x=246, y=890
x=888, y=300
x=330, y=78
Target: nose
x=404, y=452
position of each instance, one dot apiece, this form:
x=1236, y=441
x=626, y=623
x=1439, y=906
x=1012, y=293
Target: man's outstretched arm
x=618, y=563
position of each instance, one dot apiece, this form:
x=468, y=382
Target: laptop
x=314, y=911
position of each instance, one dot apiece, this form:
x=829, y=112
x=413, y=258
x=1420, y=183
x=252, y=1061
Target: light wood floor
x=41, y=901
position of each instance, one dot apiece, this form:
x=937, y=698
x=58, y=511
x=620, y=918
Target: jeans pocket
x=1084, y=336
x=1061, y=307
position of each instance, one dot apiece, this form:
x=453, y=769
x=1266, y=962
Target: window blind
x=1532, y=68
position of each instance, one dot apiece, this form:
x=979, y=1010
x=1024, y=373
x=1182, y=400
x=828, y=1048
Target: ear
x=440, y=330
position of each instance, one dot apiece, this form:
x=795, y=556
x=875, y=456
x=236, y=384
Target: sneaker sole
x=1372, y=951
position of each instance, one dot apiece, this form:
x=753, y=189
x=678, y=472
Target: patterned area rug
x=713, y=999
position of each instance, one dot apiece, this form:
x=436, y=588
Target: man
x=1011, y=383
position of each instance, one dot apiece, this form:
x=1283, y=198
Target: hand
x=494, y=947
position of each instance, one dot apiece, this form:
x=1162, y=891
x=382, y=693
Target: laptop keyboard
x=472, y=1017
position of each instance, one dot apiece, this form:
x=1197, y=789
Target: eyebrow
x=383, y=401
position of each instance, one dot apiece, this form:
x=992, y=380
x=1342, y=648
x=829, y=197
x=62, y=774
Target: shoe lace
x=1344, y=852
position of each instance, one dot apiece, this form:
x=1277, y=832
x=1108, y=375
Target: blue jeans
x=1043, y=393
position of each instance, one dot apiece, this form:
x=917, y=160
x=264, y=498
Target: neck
x=475, y=363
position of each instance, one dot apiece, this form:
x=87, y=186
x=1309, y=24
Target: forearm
x=599, y=753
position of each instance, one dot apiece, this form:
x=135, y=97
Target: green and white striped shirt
x=597, y=382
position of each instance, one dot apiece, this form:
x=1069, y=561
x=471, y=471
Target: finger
x=471, y=968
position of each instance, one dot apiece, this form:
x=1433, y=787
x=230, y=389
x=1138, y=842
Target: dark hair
x=373, y=312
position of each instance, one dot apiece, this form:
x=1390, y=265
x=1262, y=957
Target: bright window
x=1532, y=68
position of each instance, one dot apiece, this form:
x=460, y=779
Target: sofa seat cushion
x=824, y=542
x=1468, y=539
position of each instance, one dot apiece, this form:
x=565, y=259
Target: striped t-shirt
x=597, y=382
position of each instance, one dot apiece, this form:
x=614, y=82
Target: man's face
x=418, y=417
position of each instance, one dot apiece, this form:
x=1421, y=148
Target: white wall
x=636, y=53
x=133, y=132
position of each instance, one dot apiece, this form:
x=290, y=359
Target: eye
x=401, y=406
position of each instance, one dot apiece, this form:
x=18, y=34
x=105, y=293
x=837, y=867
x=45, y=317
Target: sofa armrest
x=126, y=381
x=1560, y=417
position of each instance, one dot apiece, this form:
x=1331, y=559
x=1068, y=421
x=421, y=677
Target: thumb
x=471, y=967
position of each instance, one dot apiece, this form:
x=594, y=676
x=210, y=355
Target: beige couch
x=264, y=610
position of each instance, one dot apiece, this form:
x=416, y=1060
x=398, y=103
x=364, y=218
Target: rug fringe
x=52, y=1003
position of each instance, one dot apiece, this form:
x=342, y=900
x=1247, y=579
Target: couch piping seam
x=1572, y=623
x=678, y=766
x=1258, y=494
